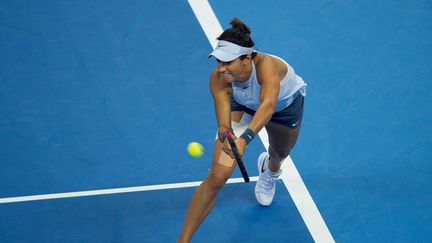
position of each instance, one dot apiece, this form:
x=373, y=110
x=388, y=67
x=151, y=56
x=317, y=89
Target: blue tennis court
x=99, y=99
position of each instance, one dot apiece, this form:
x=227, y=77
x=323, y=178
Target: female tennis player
x=256, y=89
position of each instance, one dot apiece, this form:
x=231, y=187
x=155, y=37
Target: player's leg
x=281, y=142
x=283, y=130
x=205, y=195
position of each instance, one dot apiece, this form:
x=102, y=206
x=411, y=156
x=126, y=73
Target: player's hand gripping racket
x=237, y=156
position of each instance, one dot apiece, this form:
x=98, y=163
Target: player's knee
x=280, y=154
x=216, y=181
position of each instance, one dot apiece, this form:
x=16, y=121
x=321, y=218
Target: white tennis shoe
x=265, y=187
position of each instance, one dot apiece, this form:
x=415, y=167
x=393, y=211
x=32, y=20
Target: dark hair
x=238, y=34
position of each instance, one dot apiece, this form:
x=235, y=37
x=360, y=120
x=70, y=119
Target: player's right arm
x=221, y=91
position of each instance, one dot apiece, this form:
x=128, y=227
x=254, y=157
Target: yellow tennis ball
x=195, y=149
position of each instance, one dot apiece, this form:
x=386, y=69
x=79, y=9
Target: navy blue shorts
x=290, y=117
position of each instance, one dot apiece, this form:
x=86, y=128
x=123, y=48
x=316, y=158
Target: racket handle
x=243, y=170
x=237, y=157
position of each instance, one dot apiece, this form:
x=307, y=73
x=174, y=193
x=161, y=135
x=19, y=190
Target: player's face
x=230, y=70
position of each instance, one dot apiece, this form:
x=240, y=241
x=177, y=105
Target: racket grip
x=243, y=171
x=237, y=157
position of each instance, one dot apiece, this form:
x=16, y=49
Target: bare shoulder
x=268, y=66
x=216, y=82
x=215, y=78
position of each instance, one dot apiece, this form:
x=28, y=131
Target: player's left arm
x=270, y=86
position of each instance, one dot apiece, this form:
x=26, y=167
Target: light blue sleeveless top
x=248, y=93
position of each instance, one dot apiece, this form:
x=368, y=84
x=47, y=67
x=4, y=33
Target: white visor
x=227, y=51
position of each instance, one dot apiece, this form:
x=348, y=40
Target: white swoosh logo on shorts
x=295, y=124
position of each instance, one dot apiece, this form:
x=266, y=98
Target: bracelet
x=248, y=135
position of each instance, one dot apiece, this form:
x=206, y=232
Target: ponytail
x=239, y=34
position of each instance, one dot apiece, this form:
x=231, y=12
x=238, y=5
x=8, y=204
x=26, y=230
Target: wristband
x=248, y=135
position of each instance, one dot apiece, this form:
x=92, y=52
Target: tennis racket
x=237, y=157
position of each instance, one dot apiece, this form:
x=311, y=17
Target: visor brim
x=223, y=56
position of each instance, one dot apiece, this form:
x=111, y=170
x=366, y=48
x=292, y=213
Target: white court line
x=113, y=191
x=291, y=178
x=207, y=19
